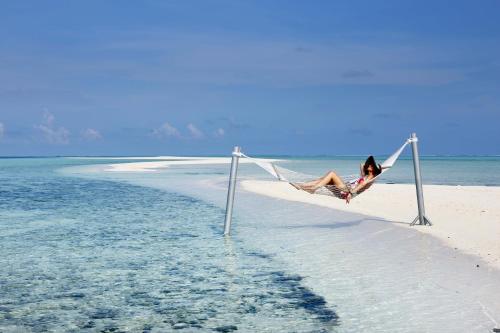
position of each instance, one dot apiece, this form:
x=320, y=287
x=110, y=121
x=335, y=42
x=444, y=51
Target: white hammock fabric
x=287, y=175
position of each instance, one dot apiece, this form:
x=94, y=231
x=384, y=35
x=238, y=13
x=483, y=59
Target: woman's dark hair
x=377, y=169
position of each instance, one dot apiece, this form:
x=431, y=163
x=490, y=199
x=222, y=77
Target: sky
x=274, y=77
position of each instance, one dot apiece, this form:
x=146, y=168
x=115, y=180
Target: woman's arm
x=359, y=188
x=361, y=171
x=362, y=186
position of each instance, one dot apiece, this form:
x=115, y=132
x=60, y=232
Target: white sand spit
x=153, y=166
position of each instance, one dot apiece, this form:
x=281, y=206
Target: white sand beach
x=464, y=217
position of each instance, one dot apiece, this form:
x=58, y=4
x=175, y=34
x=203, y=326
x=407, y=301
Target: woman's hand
x=348, y=198
x=350, y=195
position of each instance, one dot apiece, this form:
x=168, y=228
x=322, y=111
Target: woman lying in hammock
x=344, y=190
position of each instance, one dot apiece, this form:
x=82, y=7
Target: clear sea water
x=87, y=250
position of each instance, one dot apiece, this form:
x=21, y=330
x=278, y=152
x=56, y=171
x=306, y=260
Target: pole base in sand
x=417, y=219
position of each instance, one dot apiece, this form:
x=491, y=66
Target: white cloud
x=91, y=134
x=219, y=132
x=166, y=130
x=195, y=132
x=2, y=130
x=53, y=135
x=48, y=118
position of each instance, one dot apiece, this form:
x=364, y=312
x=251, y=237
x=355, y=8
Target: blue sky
x=276, y=77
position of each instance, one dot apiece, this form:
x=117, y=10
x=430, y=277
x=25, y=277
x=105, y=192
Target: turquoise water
x=95, y=255
x=88, y=250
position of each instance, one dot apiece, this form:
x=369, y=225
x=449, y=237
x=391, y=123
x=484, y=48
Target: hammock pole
x=232, y=187
x=421, y=218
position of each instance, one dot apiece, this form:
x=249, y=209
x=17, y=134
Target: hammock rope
x=287, y=175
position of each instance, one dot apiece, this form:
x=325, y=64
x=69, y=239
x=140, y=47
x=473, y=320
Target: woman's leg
x=330, y=178
x=315, y=181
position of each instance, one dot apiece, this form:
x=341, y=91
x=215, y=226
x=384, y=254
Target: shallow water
x=81, y=254
x=99, y=251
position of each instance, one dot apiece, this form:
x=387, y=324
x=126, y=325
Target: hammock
x=287, y=175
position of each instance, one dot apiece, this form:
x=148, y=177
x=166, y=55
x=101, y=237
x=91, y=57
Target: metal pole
x=231, y=189
x=421, y=218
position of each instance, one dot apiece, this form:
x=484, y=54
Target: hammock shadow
x=386, y=221
x=338, y=225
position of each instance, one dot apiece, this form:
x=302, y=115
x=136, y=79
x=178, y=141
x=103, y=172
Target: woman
x=369, y=171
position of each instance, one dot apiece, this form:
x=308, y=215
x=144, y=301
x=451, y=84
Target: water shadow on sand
x=338, y=225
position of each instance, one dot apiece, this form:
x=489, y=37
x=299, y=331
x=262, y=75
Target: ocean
x=84, y=249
